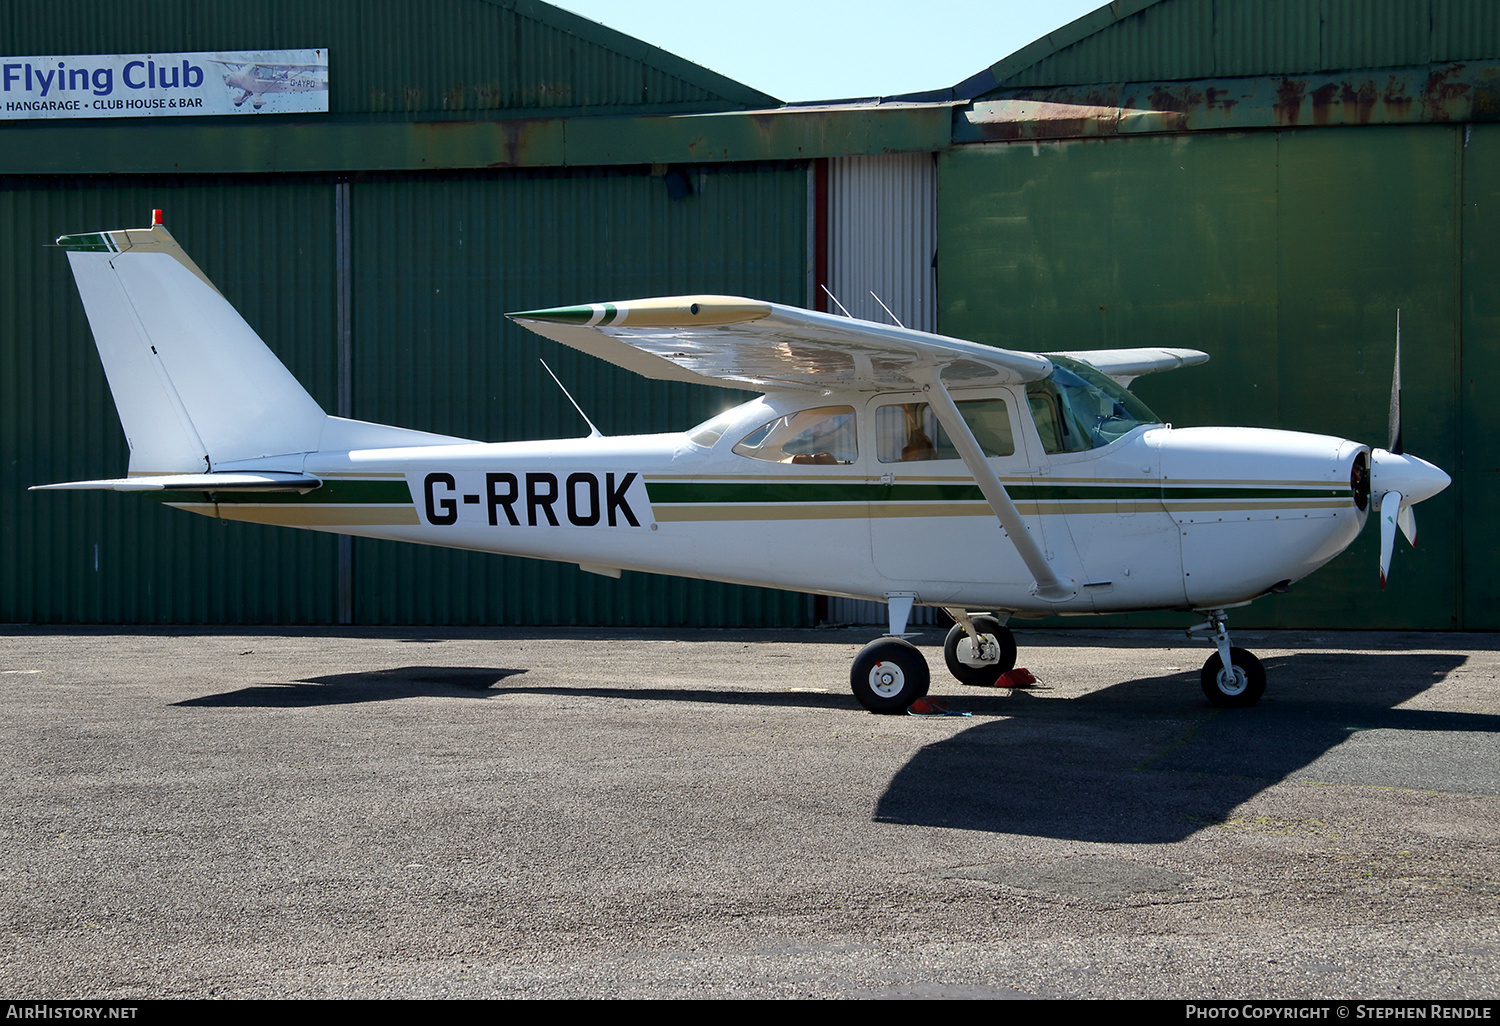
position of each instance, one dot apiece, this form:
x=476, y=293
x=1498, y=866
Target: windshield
x=711, y=430
x=1076, y=408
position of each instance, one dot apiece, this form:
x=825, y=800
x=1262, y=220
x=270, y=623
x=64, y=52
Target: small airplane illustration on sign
x=879, y=463
x=255, y=80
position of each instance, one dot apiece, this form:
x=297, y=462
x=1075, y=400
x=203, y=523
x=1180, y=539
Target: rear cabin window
x=908, y=432
x=823, y=436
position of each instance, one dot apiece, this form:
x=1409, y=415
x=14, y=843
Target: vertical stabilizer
x=194, y=385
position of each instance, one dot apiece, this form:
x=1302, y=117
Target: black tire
x=982, y=676
x=1237, y=690
x=889, y=675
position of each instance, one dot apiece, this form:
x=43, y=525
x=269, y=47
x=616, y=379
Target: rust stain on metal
x=1397, y=101
x=514, y=133
x=1288, y=106
x=1322, y=98
x=1441, y=93
x=1437, y=93
x=1218, y=99
x=1358, y=100
x=1180, y=100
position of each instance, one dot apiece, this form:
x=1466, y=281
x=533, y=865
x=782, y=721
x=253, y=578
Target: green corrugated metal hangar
x=1267, y=181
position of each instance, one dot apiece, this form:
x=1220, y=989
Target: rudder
x=194, y=385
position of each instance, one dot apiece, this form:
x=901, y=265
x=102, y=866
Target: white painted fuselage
x=1158, y=519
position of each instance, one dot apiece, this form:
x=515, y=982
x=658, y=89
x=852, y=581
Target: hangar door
x=1285, y=255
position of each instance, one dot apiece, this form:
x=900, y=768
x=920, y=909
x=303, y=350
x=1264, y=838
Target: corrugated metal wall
x=93, y=557
x=433, y=261
x=436, y=260
x=434, y=351
x=882, y=238
x=1284, y=252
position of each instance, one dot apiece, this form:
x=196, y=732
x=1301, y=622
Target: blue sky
x=832, y=49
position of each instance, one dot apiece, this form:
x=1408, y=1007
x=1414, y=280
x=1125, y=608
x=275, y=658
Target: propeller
x=1398, y=481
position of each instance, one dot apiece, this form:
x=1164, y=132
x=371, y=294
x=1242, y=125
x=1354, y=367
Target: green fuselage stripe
x=721, y=492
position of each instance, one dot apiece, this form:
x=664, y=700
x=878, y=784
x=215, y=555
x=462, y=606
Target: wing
x=1125, y=365
x=726, y=340
x=745, y=343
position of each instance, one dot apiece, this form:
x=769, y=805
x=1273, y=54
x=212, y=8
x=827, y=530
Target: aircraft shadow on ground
x=481, y=682
x=1144, y=762
x=365, y=686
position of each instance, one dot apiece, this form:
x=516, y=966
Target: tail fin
x=194, y=385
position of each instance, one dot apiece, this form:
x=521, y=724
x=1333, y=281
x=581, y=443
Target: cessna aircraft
x=880, y=463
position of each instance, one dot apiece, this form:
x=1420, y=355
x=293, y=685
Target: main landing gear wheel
x=969, y=668
x=889, y=675
x=1237, y=687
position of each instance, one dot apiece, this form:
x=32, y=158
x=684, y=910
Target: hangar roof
x=455, y=84
x=1180, y=40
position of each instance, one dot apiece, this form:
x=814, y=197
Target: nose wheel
x=1232, y=678
x=1239, y=684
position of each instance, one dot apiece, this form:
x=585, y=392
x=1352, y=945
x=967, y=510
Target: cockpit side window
x=1077, y=408
x=821, y=436
x=907, y=432
x=1059, y=429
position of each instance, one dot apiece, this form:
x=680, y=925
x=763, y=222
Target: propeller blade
x=1390, y=507
x=1394, y=444
x=1407, y=521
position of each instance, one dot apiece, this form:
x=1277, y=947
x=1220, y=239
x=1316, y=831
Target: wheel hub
x=1233, y=681
x=887, y=680
x=983, y=654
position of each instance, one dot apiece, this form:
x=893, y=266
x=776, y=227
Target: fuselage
x=780, y=492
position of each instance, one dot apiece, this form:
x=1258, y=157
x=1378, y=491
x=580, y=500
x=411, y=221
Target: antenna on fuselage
x=836, y=302
x=593, y=431
x=886, y=309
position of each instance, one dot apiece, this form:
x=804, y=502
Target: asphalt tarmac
x=597, y=813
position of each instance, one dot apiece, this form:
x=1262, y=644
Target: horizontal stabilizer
x=265, y=482
x=1125, y=365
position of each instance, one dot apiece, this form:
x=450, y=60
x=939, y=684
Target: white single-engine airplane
x=881, y=463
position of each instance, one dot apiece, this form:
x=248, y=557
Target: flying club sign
x=135, y=85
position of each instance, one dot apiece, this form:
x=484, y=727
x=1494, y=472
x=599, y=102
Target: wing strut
x=1049, y=585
